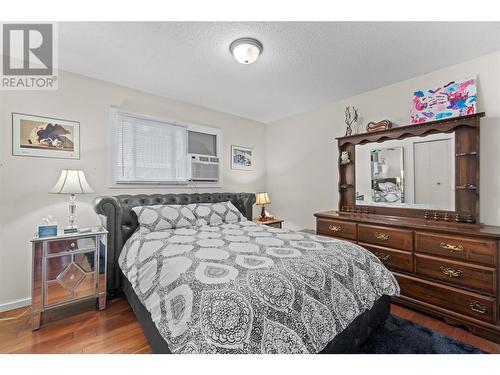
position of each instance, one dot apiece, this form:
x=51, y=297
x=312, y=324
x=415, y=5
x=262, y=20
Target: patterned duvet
x=248, y=288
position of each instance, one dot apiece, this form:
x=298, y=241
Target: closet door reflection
x=434, y=174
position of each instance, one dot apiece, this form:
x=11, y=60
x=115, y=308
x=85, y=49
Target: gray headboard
x=121, y=221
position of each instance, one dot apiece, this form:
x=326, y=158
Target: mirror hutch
x=410, y=195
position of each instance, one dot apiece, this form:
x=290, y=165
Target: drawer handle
x=451, y=272
x=382, y=236
x=72, y=245
x=380, y=255
x=450, y=247
x=478, y=307
x=334, y=228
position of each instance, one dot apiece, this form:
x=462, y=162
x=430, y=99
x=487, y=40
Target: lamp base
x=72, y=227
x=263, y=213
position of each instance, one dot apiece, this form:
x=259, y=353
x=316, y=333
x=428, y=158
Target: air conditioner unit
x=203, y=168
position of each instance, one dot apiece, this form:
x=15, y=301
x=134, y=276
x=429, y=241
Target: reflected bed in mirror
x=415, y=172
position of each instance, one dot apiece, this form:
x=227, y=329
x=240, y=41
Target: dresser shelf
x=466, y=187
x=346, y=186
x=463, y=154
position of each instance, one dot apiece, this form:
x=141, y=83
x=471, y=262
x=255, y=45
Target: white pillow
x=216, y=213
x=161, y=217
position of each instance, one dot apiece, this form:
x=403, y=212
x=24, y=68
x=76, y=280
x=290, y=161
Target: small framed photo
x=45, y=137
x=241, y=158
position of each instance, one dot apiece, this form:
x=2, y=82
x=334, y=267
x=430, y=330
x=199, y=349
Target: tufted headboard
x=121, y=221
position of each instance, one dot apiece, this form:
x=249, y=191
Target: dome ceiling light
x=246, y=50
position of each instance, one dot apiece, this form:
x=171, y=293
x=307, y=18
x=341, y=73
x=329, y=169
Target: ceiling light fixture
x=246, y=50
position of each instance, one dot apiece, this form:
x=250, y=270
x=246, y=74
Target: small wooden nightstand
x=68, y=268
x=276, y=223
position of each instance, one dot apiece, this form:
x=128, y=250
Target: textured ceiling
x=304, y=64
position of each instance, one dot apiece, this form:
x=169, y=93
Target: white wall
x=25, y=181
x=301, y=167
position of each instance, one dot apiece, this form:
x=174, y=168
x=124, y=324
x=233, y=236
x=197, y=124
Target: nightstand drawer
x=335, y=228
x=60, y=246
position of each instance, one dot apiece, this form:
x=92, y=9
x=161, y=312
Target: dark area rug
x=401, y=336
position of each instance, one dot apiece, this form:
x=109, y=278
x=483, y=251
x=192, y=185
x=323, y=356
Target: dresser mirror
x=428, y=170
x=415, y=172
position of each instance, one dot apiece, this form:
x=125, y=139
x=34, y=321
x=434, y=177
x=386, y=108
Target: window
x=149, y=150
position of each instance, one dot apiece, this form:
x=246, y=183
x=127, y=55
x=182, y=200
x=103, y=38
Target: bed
x=387, y=190
x=239, y=287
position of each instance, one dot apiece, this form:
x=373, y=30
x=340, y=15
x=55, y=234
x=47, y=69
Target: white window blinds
x=149, y=150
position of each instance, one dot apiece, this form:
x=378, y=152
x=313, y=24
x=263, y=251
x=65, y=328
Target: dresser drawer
x=456, y=247
x=447, y=297
x=482, y=279
x=59, y=246
x=396, y=238
x=393, y=259
x=336, y=228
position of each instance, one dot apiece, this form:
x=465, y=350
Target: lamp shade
x=262, y=199
x=72, y=181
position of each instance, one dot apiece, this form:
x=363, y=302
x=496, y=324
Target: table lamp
x=262, y=200
x=72, y=181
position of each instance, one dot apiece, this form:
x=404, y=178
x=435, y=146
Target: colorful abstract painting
x=450, y=100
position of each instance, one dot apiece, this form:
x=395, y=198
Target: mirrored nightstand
x=68, y=268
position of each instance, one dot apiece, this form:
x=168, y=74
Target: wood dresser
x=444, y=268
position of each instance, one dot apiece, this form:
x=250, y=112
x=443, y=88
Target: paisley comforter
x=248, y=288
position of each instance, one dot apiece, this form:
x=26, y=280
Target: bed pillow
x=387, y=186
x=216, y=213
x=161, y=217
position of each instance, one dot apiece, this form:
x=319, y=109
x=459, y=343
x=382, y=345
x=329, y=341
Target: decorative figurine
x=350, y=118
x=378, y=126
x=344, y=158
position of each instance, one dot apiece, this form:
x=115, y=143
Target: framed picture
x=45, y=137
x=241, y=158
x=451, y=99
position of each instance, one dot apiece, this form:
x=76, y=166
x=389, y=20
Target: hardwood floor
x=84, y=329
x=79, y=329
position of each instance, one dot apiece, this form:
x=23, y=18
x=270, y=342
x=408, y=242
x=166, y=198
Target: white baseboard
x=15, y=304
